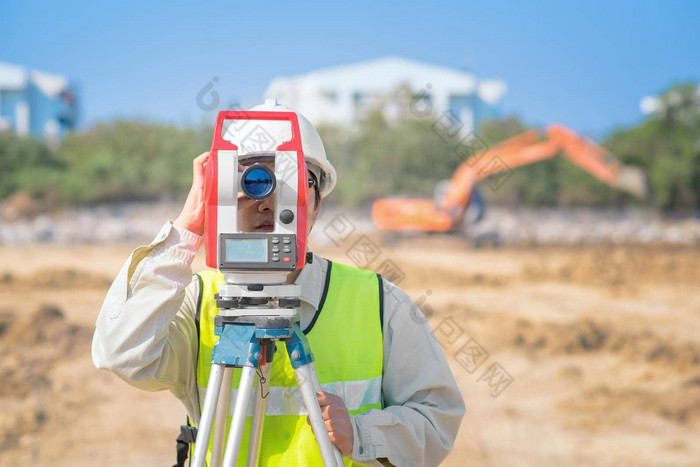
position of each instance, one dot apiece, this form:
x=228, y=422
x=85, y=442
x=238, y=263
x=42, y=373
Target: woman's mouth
x=267, y=226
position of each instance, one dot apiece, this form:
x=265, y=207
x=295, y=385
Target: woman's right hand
x=192, y=216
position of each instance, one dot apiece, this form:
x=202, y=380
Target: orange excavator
x=447, y=212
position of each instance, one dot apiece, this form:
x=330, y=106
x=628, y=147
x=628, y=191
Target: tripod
x=251, y=319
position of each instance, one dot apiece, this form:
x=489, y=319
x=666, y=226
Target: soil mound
x=57, y=278
x=588, y=336
x=30, y=345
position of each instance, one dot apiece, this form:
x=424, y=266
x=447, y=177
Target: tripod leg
x=217, y=450
x=302, y=361
x=314, y=377
x=240, y=412
x=306, y=376
x=205, y=422
x=256, y=427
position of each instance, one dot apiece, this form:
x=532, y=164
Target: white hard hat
x=314, y=153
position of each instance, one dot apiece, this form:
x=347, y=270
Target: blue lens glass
x=258, y=183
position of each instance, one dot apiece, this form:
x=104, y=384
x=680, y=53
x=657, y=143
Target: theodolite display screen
x=264, y=251
x=245, y=250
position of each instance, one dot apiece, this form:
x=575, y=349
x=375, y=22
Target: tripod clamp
x=240, y=336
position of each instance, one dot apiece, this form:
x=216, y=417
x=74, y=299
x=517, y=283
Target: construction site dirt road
x=565, y=356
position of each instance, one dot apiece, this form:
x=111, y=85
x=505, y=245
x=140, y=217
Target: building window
x=330, y=96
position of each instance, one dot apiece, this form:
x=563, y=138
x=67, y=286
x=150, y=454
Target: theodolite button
x=286, y=216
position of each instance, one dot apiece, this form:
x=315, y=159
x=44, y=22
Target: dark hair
x=317, y=193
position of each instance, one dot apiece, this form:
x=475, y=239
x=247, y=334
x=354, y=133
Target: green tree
x=128, y=160
x=377, y=158
x=26, y=163
x=667, y=146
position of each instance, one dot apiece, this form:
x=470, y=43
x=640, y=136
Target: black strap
x=199, y=305
x=323, y=298
x=381, y=303
x=188, y=435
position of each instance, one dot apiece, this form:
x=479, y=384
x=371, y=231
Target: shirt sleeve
x=423, y=406
x=146, y=331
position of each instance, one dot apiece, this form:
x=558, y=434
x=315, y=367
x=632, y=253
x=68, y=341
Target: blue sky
x=584, y=64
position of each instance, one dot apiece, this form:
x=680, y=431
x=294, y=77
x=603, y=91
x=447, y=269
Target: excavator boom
x=521, y=150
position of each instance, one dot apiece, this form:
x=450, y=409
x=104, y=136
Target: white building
x=341, y=94
x=657, y=105
x=35, y=103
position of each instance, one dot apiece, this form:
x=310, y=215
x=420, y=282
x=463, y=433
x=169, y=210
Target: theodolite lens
x=258, y=181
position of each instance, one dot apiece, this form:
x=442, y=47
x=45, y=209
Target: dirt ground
x=576, y=356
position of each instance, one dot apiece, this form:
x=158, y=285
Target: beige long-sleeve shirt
x=146, y=334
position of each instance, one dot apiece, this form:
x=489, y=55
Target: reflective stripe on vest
x=346, y=339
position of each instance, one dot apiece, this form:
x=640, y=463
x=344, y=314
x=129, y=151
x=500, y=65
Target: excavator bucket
x=633, y=180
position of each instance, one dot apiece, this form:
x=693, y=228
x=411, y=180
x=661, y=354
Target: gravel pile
x=140, y=222
x=98, y=224
x=587, y=226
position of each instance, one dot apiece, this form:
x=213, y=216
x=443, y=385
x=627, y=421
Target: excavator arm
x=597, y=161
x=521, y=150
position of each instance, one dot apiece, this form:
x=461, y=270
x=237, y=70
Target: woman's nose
x=267, y=204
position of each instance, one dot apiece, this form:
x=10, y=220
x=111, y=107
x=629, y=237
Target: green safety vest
x=345, y=337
